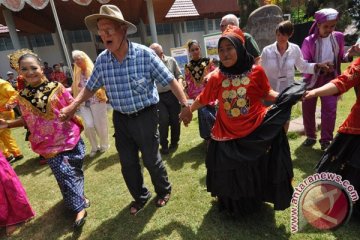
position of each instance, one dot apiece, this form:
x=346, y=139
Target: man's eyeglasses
x=109, y=31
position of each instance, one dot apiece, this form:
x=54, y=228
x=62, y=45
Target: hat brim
x=91, y=23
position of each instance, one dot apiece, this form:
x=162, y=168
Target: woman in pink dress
x=60, y=142
x=14, y=204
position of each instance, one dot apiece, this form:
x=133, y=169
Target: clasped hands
x=308, y=95
x=324, y=68
x=67, y=112
x=185, y=115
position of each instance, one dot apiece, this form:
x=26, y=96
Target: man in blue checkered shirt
x=129, y=72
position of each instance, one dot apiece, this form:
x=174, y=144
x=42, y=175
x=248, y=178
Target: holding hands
x=328, y=89
x=324, y=68
x=186, y=112
x=67, y=112
x=309, y=94
x=185, y=115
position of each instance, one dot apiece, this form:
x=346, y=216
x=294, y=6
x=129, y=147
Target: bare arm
x=11, y=123
x=195, y=106
x=271, y=96
x=67, y=112
x=177, y=89
x=326, y=90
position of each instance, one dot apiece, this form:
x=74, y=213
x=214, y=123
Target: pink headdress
x=323, y=15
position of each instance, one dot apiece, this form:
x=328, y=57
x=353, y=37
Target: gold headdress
x=14, y=57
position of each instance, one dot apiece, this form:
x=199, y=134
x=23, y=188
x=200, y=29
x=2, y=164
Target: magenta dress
x=14, y=204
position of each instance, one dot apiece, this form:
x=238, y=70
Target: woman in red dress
x=248, y=160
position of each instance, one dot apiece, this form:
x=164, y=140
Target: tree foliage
x=354, y=12
x=340, y=5
x=349, y=9
x=285, y=5
x=246, y=7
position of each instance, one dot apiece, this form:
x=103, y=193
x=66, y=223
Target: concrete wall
x=87, y=47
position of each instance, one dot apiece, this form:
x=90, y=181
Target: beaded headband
x=14, y=57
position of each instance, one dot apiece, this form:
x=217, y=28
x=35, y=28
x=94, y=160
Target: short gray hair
x=231, y=19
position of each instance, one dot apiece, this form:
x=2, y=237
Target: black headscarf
x=244, y=59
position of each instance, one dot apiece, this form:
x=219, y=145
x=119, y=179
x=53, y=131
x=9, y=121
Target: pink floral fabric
x=48, y=134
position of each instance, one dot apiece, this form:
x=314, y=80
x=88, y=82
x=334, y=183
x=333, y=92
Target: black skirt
x=343, y=157
x=244, y=172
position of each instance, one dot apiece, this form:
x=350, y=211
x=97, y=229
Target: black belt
x=134, y=115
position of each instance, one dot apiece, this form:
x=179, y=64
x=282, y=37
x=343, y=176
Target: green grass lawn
x=191, y=212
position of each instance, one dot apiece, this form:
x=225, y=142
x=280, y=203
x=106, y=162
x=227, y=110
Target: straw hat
x=111, y=12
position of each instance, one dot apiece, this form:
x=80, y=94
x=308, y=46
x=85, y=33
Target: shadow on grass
x=124, y=225
x=350, y=230
x=216, y=225
x=101, y=162
x=202, y=181
x=53, y=224
x=306, y=159
x=196, y=155
x=29, y=166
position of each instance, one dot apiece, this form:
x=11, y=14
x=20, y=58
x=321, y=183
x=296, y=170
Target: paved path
x=296, y=125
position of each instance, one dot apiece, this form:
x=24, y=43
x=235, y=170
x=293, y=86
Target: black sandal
x=79, y=223
x=137, y=207
x=162, y=201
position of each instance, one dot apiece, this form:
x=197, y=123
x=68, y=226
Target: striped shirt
x=130, y=84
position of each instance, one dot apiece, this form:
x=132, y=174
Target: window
x=79, y=36
x=195, y=26
x=23, y=42
x=210, y=24
x=161, y=29
x=41, y=40
x=6, y=43
x=217, y=24
x=3, y=44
